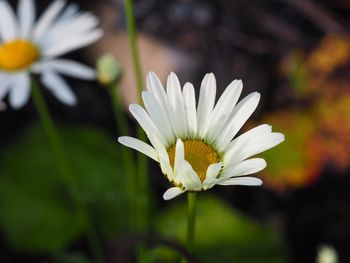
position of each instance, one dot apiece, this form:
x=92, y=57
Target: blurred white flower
x=195, y=146
x=28, y=47
x=327, y=254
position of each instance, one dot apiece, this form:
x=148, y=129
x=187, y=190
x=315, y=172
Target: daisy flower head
x=195, y=145
x=29, y=46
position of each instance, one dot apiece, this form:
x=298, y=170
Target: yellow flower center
x=17, y=54
x=199, y=154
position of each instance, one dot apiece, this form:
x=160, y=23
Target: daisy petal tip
x=73, y=101
x=211, y=76
x=132, y=107
x=238, y=82
x=282, y=137
x=257, y=94
x=152, y=74
x=253, y=181
x=278, y=137
x=120, y=139
x=171, y=193
x=179, y=141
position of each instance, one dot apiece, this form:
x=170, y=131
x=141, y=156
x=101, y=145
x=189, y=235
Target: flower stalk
x=66, y=174
x=191, y=219
x=127, y=155
x=52, y=134
x=191, y=222
x=142, y=175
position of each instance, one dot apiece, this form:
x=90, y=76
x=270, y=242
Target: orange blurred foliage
x=318, y=134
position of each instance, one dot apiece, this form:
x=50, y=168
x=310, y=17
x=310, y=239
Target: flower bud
x=327, y=254
x=108, y=69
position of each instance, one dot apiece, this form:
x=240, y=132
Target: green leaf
x=36, y=213
x=222, y=234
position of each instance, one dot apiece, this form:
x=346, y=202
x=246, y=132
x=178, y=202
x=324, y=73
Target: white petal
x=4, y=85
x=47, y=18
x=26, y=17
x=261, y=144
x=213, y=170
x=172, y=192
x=163, y=158
x=236, y=148
x=211, y=175
x=245, y=167
x=176, y=106
x=179, y=152
x=8, y=23
x=160, y=148
x=187, y=176
x=190, y=105
x=59, y=88
x=157, y=90
x=254, y=132
x=68, y=12
x=146, y=123
x=69, y=68
x=239, y=116
x=223, y=108
x=206, y=103
x=20, y=90
x=70, y=28
x=139, y=146
x=250, y=181
x=72, y=43
x=178, y=159
x=166, y=169
x=158, y=116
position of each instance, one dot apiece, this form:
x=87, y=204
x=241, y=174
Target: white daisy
x=28, y=47
x=195, y=147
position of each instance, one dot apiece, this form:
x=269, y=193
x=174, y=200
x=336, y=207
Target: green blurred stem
x=130, y=22
x=67, y=176
x=191, y=219
x=127, y=154
x=143, y=187
x=52, y=134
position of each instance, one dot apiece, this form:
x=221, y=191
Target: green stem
x=130, y=22
x=143, y=187
x=52, y=135
x=127, y=154
x=67, y=176
x=191, y=219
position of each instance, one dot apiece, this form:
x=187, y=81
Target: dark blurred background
x=296, y=53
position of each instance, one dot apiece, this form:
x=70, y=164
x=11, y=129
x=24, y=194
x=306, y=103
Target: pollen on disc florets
x=199, y=154
x=17, y=54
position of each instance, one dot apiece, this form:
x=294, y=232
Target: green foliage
x=36, y=213
x=222, y=234
x=298, y=77
x=290, y=153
